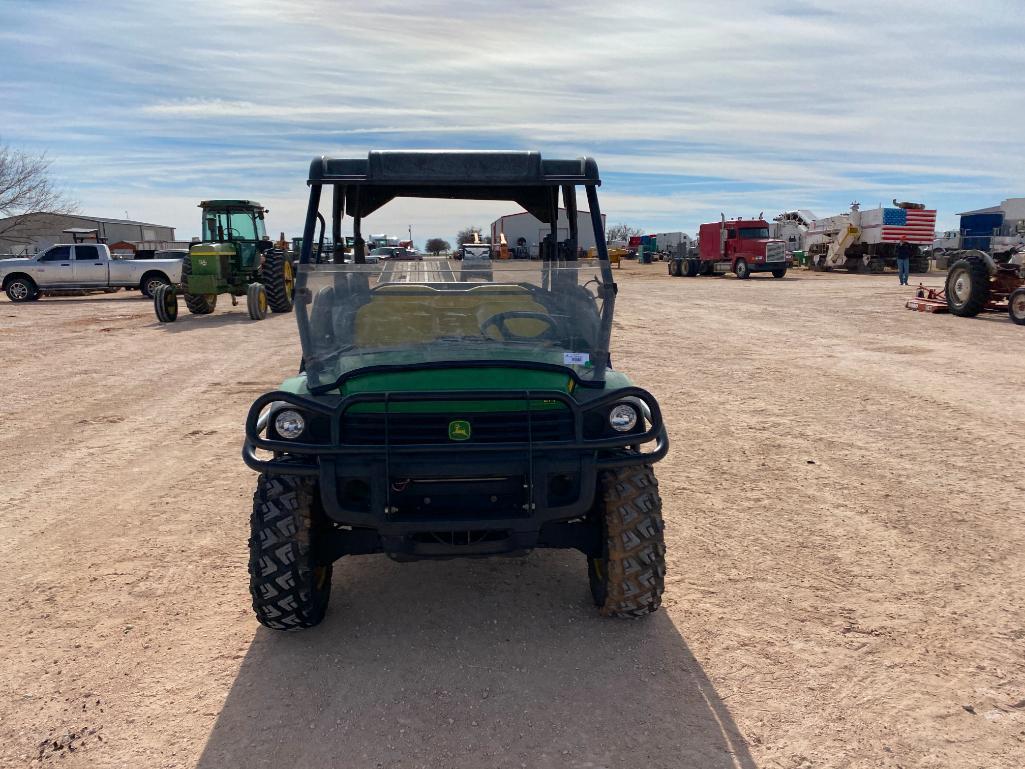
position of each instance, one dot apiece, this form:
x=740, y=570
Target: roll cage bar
x=361, y=186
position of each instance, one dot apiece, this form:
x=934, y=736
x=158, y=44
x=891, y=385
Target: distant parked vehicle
x=395, y=253
x=85, y=266
x=740, y=246
x=476, y=261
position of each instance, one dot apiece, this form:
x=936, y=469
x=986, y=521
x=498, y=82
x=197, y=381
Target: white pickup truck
x=83, y=266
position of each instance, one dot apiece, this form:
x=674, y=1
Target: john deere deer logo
x=459, y=430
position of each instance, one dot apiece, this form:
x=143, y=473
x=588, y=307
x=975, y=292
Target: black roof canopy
x=522, y=177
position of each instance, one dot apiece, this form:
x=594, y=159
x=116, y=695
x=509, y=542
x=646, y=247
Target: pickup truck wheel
x=22, y=289
x=628, y=578
x=256, y=301
x=165, y=303
x=150, y=282
x=289, y=584
x=742, y=270
x=278, y=276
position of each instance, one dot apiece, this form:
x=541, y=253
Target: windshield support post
x=569, y=199
x=359, y=254
x=608, y=292
x=312, y=210
x=337, y=212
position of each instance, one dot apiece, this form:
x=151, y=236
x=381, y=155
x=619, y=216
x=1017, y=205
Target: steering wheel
x=498, y=320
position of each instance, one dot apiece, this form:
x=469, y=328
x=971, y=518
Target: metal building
x=32, y=233
x=531, y=230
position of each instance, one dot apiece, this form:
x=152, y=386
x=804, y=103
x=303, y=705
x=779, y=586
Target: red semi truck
x=740, y=246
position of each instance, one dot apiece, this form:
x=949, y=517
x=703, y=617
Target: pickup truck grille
x=774, y=252
x=404, y=429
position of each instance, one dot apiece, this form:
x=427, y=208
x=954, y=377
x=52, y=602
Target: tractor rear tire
x=278, y=275
x=256, y=301
x=198, y=304
x=967, y=287
x=165, y=302
x=742, y=270
x=290, y=586
x=1016, y=306
x=628, y=578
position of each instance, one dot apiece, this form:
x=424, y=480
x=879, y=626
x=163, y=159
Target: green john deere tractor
x=235, y=257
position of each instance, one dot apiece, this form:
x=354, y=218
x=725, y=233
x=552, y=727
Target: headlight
x=623, y=418
x=289, y=424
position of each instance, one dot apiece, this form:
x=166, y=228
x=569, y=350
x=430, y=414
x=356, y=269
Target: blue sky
x=690, y=108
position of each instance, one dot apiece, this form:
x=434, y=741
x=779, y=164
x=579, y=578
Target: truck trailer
x=866, y=241
x=740, y=246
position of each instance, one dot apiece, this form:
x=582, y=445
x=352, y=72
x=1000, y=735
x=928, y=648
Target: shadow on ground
x=477, y=664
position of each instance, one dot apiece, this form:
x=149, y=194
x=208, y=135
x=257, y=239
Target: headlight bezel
x=289, y=415
x=623, y=417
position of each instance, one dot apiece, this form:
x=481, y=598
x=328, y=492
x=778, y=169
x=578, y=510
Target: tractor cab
x=239, y=223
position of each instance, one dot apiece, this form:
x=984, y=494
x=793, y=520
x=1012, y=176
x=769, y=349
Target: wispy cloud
x=690, y=108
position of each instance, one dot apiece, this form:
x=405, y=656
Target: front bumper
x=769, y=266
x=505, y=494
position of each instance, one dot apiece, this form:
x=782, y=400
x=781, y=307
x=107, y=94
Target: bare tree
x=621, y=232
x=471, y=235
x=27, y=195
x=437, y=245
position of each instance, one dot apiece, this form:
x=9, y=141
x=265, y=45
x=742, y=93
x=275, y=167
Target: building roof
x=990, y=209
x=89, y=218
x=562, y=210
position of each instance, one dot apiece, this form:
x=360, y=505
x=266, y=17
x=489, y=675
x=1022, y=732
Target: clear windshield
x=409, y=313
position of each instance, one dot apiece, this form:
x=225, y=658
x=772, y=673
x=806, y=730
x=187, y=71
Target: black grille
x=494, y=427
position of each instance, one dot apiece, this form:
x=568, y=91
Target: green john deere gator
x=439, y=414
x=235, y=257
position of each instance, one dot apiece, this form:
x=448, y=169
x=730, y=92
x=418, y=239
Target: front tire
x=1016, y=306
x=778, y=273
x=742, y=270
x=278, y=276
x=628, y=578
x=289, y=585
x=967, y=288
x=22, y=290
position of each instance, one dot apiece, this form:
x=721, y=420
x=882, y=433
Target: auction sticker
x=576, y=358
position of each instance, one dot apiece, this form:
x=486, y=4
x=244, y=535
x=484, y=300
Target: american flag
x=917, y=224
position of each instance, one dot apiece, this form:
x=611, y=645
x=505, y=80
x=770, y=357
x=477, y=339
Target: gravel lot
x=845, y=509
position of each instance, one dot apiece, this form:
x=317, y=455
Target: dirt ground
x=846, y=519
